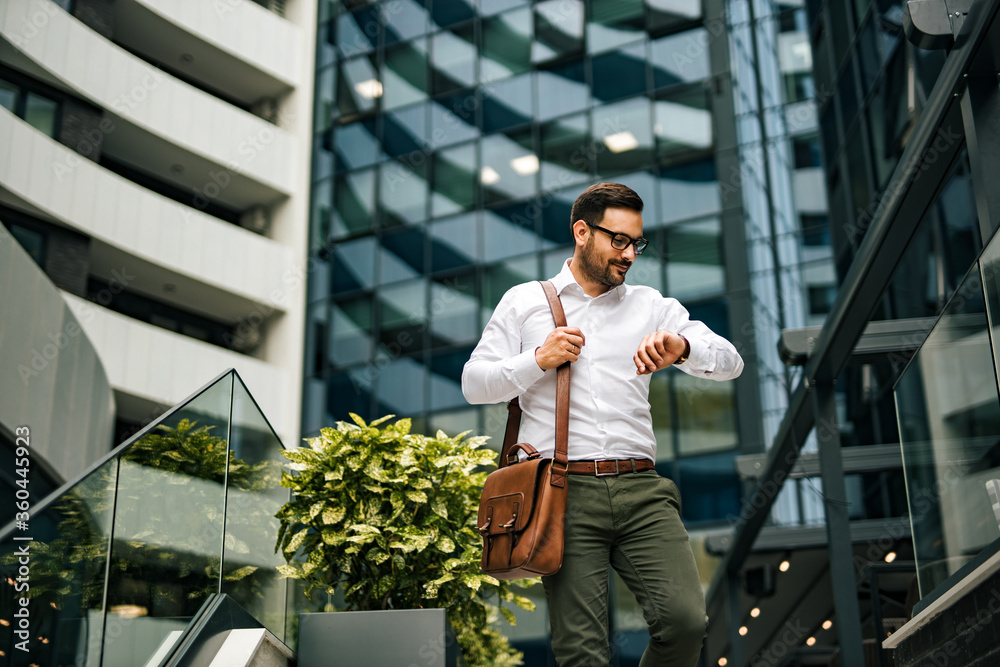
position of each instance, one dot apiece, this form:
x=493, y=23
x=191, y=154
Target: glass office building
x=451, y=139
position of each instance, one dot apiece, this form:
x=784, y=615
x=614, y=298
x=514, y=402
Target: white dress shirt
x=609, y=415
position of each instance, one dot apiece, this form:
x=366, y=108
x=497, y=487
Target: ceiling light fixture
x=827, y=624
x=525, y=165
x=755, y=612
x=784, y=566
x=810, y=641
x=370, y=89
x=891, y=556
x=488, y=176
x=620, y=142
x=723, y=662
x=743, y=630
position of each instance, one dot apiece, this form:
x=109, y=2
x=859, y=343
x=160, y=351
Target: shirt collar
x=565, y=278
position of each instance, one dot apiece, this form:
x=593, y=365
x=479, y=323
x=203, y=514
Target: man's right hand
x=562, y=345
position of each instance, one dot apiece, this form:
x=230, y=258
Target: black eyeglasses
x=621, y=241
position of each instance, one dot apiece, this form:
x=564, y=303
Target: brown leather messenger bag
x=523, y=506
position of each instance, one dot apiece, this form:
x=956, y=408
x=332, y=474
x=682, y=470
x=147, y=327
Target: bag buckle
x=598, y=473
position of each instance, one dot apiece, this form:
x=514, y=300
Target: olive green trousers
x=632, y=523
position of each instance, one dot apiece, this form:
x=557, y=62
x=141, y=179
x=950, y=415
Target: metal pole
x=838, y=529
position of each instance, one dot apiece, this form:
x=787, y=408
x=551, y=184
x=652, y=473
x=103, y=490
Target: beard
x=600, y=269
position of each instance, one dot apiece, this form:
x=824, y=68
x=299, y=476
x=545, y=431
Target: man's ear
x=580, y=230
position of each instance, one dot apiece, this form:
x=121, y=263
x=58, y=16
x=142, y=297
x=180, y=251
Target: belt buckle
x=597, y=469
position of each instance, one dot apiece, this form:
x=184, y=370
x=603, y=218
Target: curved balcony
x=211, y=262
x=228, y=46
x=51, y=377
x=155, y=116
x=159, y=366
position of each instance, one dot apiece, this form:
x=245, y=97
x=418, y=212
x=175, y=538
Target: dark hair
x=590, y=205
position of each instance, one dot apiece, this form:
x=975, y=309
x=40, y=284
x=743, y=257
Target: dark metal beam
x=796, y=538
x=980, y=111
x=872, y=458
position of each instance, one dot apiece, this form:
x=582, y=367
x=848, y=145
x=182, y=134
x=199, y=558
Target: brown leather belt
x=609, y=467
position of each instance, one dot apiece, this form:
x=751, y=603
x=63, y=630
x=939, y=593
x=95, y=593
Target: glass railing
x=110, y=569
x=949, y=426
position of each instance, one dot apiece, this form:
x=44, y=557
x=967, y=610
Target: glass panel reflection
x=562, y=90
x=454, y=310
x=566, y=152
x=404, y=133
x=358, y=86
x=455, y=180
x=499, y=278
x=508, y=231
x=614, y=23
x=68, y=560
x=404, y=74
x=253, y=496
x=455, y=242
x=506, y=45
x=164, y=565
x=356, y=145
x=401, y=387
x=705, y=415
x=449, y=12
x=558, y=29
x=689, y=190
x=665, y=14
x=446, y=383
x=351, y=332
x=682, y=122
x=353, y=203
x=623, y=130
x=694, y=269
x=402, y=312
x=357, y=31
x=507, y=104
x=404, y=20
x=403, y=191
x=353, y=265
x=680, y=58
x=509, y=167
x=620, y=73
x=453, y=60
x=949, y=425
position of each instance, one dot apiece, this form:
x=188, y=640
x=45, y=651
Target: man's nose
x=629, y=252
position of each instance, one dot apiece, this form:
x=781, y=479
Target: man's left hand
x=657, y=351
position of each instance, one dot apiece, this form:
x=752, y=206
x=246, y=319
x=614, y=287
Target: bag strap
x=561, y=464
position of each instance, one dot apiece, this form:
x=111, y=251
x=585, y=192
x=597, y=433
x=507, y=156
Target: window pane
x=350, y=392
x=613, y=23
x=353, y=265
x=509, y=167
x=403, y=315
x=562, y=90
x=33, y=242
x=404, y=20
x=40, y=113
x=507, y=104
x=499, y=278
x=558, y=29
x=705, y=415
x=446, y=386
x=357, y=32
x=454, y=184
x=620, y=73
x=556, y=219
x=403, y=193
x=506, y=45
x=453, y=58
x=454, y=242
x=679, y=58
x=401, y=256
x=8, y=96
x=404, y=132
x=683, y=126
x=404, y=76
x=354, y=203
x=694, y=268
x=624, y=129
x=689, y=190
x=665, y=14
x=453, y=120
x=449, y=12
x=351, y=333
x=454, y=310
x=356, y=145
x=401, y=387
x=566, y=152
x=358, y=86
x=508, y=231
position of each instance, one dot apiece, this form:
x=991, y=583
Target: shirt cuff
x=525, y=371
x=700, y=359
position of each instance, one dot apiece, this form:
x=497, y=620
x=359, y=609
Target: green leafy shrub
x=389, y=518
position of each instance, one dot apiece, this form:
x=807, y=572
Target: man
x=620, y=512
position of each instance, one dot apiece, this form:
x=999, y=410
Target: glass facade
x=451, y=139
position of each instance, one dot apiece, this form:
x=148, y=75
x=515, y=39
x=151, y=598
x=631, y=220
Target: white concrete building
x=154, y=160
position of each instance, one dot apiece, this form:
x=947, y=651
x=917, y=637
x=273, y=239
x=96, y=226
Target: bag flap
x=509, y=496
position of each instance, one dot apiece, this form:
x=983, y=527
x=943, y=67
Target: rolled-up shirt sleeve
x=498, y=370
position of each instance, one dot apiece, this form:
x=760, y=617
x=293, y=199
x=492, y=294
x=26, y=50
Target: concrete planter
x=395, y=638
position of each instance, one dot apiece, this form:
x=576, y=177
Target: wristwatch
x=686, y=353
